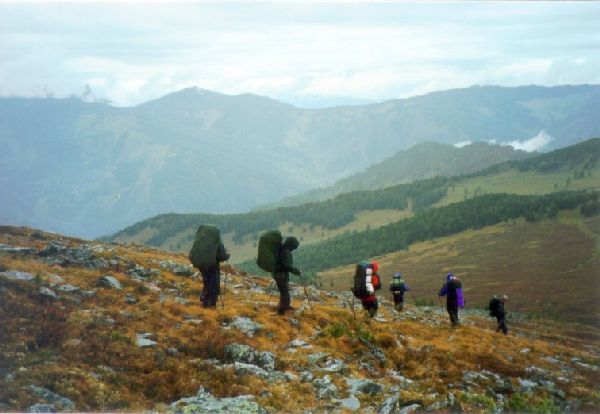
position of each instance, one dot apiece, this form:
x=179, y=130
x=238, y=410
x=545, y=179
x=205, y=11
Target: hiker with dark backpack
x=496, y=308
x=206, y=254
x=283, y=267
x=366, y=282
x=452, y=289
x=398, y=287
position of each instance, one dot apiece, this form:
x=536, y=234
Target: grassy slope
x=99, y=367
x=549, y=267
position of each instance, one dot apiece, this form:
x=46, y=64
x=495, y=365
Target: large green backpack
x=269, y=245
x=397, y=284
x=206, y=243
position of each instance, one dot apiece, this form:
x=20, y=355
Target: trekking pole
x=226, y=274
x=306, y=294
x=272, y=290
x=353, y=311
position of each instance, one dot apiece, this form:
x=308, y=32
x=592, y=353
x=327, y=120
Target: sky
x=307, y=53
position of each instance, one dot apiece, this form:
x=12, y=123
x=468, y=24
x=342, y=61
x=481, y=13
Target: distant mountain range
x=88, y=169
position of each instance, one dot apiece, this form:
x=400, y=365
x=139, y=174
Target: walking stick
x=353, y=311
x=272, y=290
x=224, y=287
x=306, y=294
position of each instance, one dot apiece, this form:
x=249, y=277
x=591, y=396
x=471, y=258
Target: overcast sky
x=129, y=52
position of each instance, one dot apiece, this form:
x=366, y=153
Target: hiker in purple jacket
x=452, y=289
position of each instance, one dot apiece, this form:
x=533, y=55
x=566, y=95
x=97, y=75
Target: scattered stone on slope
x=109, y=282
x=141, y=273
x=390, y=405
x=246, y=325
x=204, y=402
x=363, y=386
x=16, y=249
x=247, y=354
x=299, y=343
x=42, y=408
x=47, y=293
x=177, y=269
x=17, y=275
x=351, y=403
x=68, y=288
x=325, y=388
x=409, y=409
x=130, y=299
x=334, y=366
x=316, y=357
x=376, y=352
x=143, y=340
x=242, y=368
x=61, y=403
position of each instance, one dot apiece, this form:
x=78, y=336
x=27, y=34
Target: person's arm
x=444, y=290
x=287, y=262
x=222, y=254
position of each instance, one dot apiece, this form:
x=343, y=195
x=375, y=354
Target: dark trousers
x=501, y=324
x=211, y=278
x=453, y=313
x=283, y=286
x=370, y=306
x=399, y=300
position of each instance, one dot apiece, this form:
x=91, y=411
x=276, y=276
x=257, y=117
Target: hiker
x=283, y=266
x=398, y=287
x=366, y=282
x=206, y=254
x=496, y=308
x=452, y=289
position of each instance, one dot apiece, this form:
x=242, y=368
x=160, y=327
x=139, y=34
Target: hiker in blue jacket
x=452, y=289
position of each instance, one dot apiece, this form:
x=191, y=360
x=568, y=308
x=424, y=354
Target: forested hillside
x=573, y=168
x=416, y=163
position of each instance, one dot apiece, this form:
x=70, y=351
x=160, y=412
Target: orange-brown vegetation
x=86, y=350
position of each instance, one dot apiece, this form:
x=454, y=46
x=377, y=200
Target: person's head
x=291, y=243
x=449, y=277
x=397, y=275
x=494, y=296
x=504, y=298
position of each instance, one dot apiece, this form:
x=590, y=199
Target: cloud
x=462, y=144
x=533, y=144
x=363, y=50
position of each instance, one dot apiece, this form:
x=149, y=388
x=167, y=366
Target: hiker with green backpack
x=276, y=257
x=206, y=254
x=398, y=287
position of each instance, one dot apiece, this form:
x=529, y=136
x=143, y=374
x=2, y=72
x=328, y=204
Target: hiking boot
x=280, y=311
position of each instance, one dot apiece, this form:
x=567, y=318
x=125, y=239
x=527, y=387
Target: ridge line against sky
x=310, y=54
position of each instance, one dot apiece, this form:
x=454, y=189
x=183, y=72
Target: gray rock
x=88, y=293
x=409, y=409
x=68, y=288
x=290, y=376
x=436, y=406
x=17, y=275
x=246, y=325
x=241, y=368
x=334, y=365
x=396, y=376
x=316, y=357
x=248, y=355
x=177, y=268
x=376, y=352
x=364, y=386
x=16, y=249
x=307, y=376
x=325, y=388
x=143, y=340
x=42, y=408
x=526, y=385
x=130, y=299
x=299, y=343
x=389, y=405
x=141, y=273
x=172, y=351
x=552, y=360
x=62, y=403
x=294, y=322
x=537, y=372
x=351, y=403
x=204, y=402
x=109, y=282
x=47, y=293
x=472, y=377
